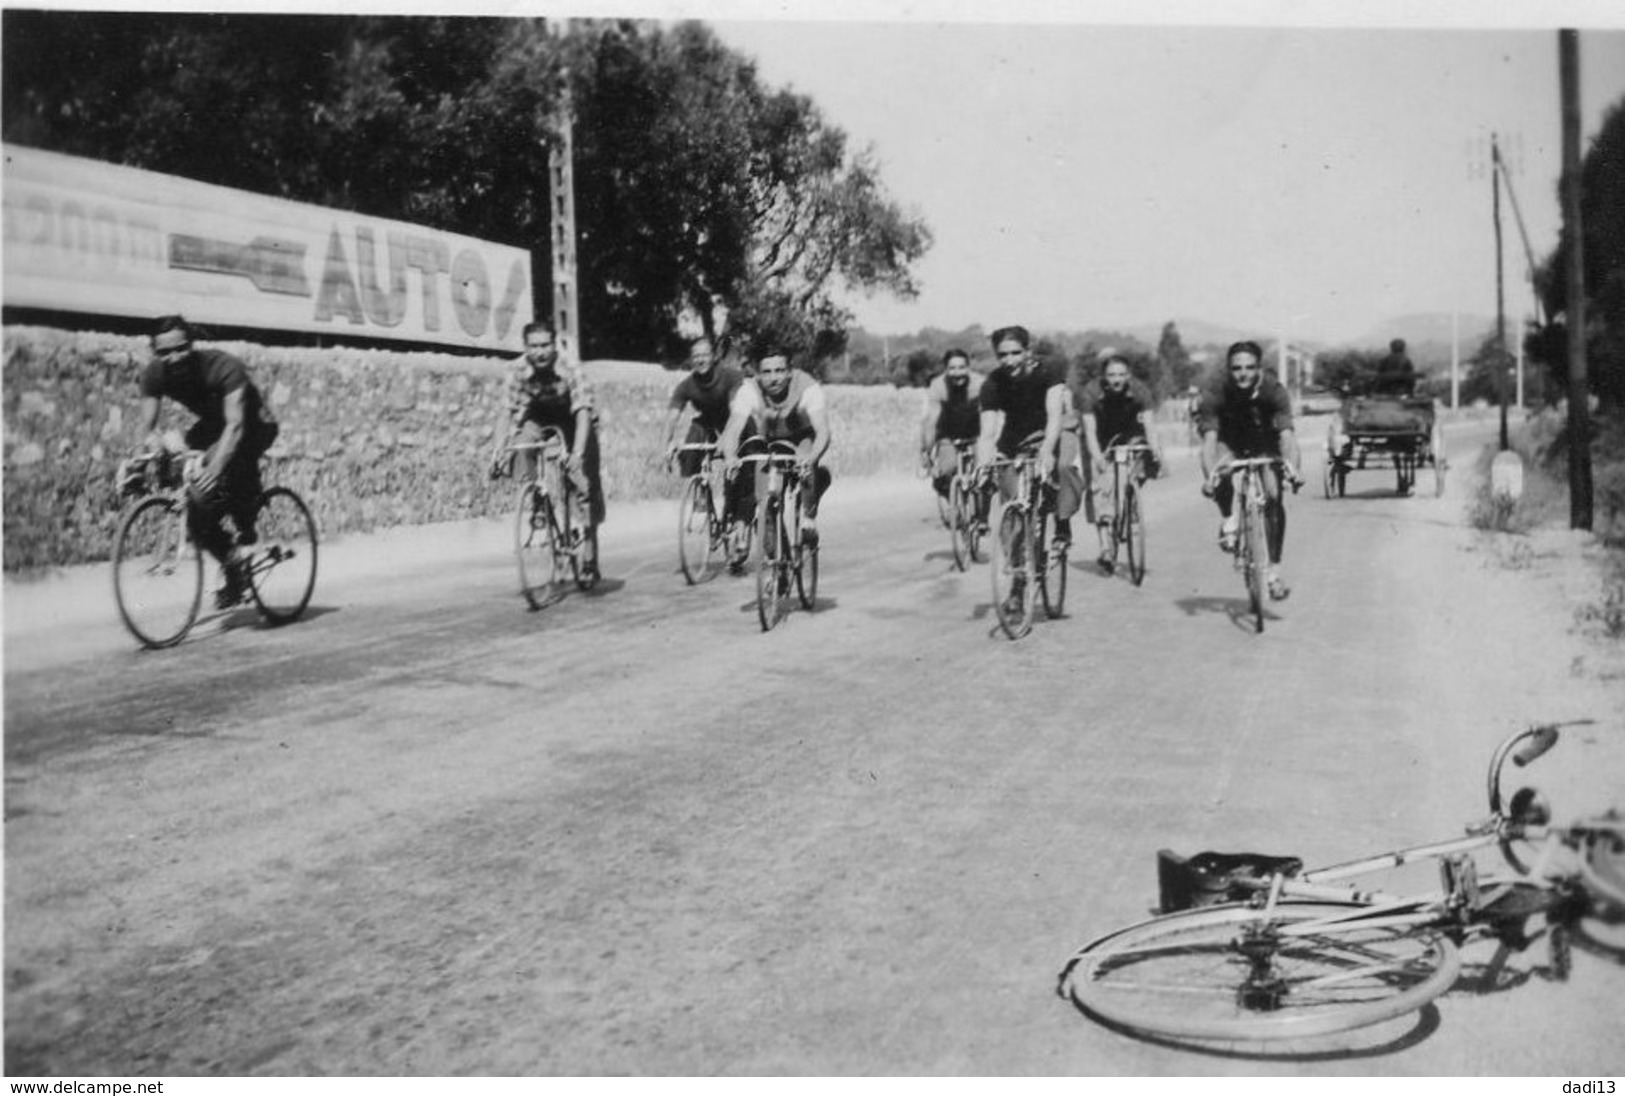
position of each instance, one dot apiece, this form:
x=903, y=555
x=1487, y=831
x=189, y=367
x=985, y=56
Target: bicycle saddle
x=1209, y=878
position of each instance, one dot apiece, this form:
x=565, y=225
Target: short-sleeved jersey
x=1117, y=414
x=959, y=412
x=1249, y=423
x=549, y=397
x=711, y=397
x=788, y=418
x=1021, y=396
x=201, y=383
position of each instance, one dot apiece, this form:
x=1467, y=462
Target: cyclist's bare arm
x=672, y=422
x=986, y=441
x=150, y=406
x=1097, y=456
x=1290, y=453
x=818, y=416
x=928, y=425
x=1056, y=403
x=1210, y=453
x=225, y=448
x=738, y=416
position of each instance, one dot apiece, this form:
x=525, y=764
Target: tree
x=1177, y=370
x=1602, y=249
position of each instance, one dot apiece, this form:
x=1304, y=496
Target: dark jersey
x=711, y=399
x=1117, y=414
x=959, y=413
x=1021, y=396
x=549, y=397
x=1249, y=423
x=200, y=384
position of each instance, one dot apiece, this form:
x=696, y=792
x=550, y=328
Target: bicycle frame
x=555, y=496
x=1252, y=544
x=784, y=558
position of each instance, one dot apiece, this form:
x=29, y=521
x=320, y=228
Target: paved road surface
x=426, y=831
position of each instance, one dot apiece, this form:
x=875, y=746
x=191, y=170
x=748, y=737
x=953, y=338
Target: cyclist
x=1248, y=413
x=709, y=389
x=780, y=403
x=1116, y=409
x=951, y=414
x=1026, y=407
x=546, y=390
x=234, y=428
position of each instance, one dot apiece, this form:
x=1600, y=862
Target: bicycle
x=965, y=526
x=158, y=569
x=552, y=531
x=1128, y=519
x=1022, y=536
x=702, y=528
x=784, y=559
x=1251, y=545
x=1253, y=950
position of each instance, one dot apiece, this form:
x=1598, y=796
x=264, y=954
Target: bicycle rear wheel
x=694, y=539
x=1602, y=868
x=1230, y=974
x=772, y=564
x=1133, y=532
x=1013, y=581
x=1254, y=553
x=1052, y=578
x=534, y=546
x=157, y=572
x=282, y=565
x=960, y=531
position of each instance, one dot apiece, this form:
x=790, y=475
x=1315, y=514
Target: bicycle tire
x=157, y=572
x=960, y=532
x=1052, y=579
x=282, y=562
x=977, y=530
x=1602, y=868
x=535, y=545
x=694, y=532
x=584, y=562
x=1181, y=976
x=1013, y=592
x=1133, y=533
x=770, y=564
x=1255, y=551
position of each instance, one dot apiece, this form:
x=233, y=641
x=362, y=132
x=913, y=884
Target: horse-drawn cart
x=1384, y=431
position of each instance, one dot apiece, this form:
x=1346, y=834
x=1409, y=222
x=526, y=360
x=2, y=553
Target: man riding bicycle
x=545, y=391
x=1025, y=407
x=782, y=404
x=234, y=428
x=952, y=414
x=1116, y=409
x=709, y=389
x=1248, y=413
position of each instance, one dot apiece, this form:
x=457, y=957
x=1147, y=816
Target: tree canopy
x=706, y=202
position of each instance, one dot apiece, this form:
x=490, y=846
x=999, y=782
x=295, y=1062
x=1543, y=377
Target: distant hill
x=1194, y=333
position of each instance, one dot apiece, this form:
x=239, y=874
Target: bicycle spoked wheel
x=694, y=540
x=1185, y=976
x=1133, y=533
x=1602, y=868
x=960, y=531
x=1052, y=575
x=1254, y=554
x=1013, y=582
x=157, y=573
x=806, y=569
x=584, y=557
x=772, y=565
x=534, y=548
x=282, y=561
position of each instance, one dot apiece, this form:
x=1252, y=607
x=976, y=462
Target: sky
x=1309, y=180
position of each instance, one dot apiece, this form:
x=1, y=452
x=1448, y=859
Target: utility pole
x=562, y=209
x=1500, y=351
x=1580, y=486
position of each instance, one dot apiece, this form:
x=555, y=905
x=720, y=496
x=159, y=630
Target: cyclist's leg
x=1274, y=531
x=530, y=432
x=591, y=467
x=944, y=465
x=1224, y=497
x=688, y=461
x=820, y=484
x=204, y=514
x=1068, y=484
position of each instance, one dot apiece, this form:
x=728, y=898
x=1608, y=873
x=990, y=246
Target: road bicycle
x=965, y=506
x=784, y=559
x=1251, y=543
x=1028, y=563
x=158, y=569
x=553, y=529
x=1128, y=518
x=703, y=530
x=1253, y=951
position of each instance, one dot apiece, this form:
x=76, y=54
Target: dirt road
x=425, y=831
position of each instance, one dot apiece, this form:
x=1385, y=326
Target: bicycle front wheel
x=772, y=564
x=960, y=531
x=694, y=539
x=1602, y=868
x=1133, y=533
x=1233, y=974
x=282, y=566
x=1013, y=581
x=534, y=546
x=1052, y=578
x=157, y=573
x=1255, y=551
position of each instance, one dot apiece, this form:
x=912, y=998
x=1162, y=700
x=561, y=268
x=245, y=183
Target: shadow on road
x=1237, y=609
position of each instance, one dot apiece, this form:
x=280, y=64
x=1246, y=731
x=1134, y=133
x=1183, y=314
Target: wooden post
x=562, y=210
x=1574, y=307
x=1499, y=354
